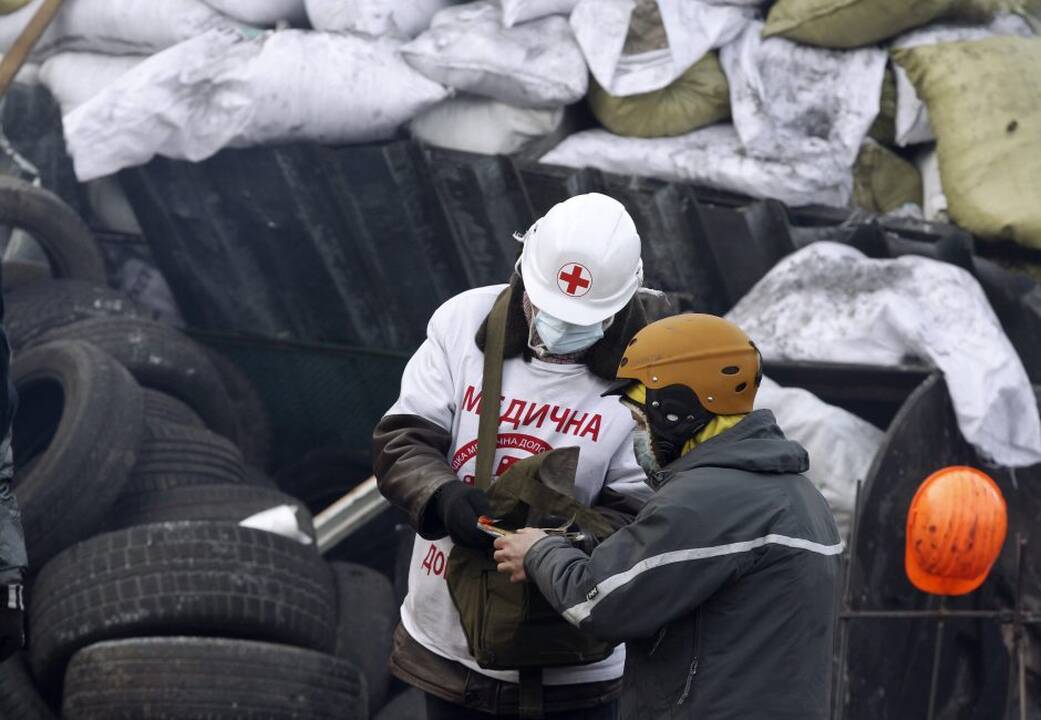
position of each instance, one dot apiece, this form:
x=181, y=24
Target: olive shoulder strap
x=491, y=389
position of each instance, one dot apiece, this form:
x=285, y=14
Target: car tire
x=172, y=455
x=38, y=308
x=160, y=407
x=366, y=615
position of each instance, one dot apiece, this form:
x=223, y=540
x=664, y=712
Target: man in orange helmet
x=724, y=586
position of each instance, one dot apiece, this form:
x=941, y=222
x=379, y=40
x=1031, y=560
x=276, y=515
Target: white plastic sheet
x=693, y=28
x=260, y=12
x=841, y=445
x=480, y=125
x=402, y=18
x=518, y=11
x=829, y=302
x=223, y=89
x=537, y=64
x=75, y=77
x=712, y=156
x=117, y=27
x=795, y=102
x=912, y=117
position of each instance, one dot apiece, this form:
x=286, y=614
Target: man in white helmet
x=573, y=311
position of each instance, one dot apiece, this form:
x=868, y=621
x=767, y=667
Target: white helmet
x=581, y=261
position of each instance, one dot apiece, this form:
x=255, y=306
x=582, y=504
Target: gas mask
x=562, y=338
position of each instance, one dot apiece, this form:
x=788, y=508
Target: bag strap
x=491, y=389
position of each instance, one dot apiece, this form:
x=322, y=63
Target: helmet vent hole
x=632, y=342
x=625, y=361
x=741, y=388
x=731, y=370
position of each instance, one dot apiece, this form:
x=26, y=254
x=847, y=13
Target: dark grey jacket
x=723, y=588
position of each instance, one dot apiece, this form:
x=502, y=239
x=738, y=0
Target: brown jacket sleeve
x=409, y=458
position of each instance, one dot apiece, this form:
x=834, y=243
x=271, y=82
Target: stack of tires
x=137, y=455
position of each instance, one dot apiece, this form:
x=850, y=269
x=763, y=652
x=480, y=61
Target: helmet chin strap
x=674, y=416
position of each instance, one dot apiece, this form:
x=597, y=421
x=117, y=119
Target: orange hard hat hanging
x=955, y=529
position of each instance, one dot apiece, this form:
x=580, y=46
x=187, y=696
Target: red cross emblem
x=574, y=280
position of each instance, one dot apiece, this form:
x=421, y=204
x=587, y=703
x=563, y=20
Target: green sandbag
x=853, y=23
x=698, y=97
x=883, y=181
x=984, y=101
x=884, y=128
x=9, y=6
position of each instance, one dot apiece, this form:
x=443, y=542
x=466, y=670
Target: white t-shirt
x=545, y=406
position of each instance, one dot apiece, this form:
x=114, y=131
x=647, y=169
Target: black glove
x=12, y=621
x=459, y=505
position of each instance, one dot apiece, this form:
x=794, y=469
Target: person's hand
x=510, y=552
x=459, y=506
x=12, y=631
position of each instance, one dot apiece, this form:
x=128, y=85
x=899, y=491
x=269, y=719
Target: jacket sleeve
x=412, y=442
x=647, y=574
x=13, y=560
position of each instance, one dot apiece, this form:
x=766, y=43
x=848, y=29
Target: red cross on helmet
x=581, y=261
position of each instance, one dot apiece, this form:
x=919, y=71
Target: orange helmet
x=955, y=530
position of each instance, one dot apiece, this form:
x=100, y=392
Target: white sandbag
x=693, y=27
x=223, y=89
x=934, y=199
x=261, y=12
x=829, y=302
x=332, y=88
x=537, y=64
x=518, y=11
x=712, y=156
x=841, y=445
x=912, y=116
x=481, y=125
x=75, y=77
x=402, y=18
x=115, y=27
x=795, y=102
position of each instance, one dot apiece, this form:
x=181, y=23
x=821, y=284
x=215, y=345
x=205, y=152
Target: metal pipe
x=348, y=514
x=839, y=701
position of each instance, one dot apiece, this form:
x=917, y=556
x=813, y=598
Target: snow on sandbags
x=699, y=97
x=638, y=46
x=912, y=117
x=841, y=446
x=115, y=27
x=402, y=18
x=795, y=102
x=934, y=201
x=829, y=302
x=261, y=12
x=989, y=136
x=75, y=77
x=537, y=64
x=481, y=125
x=223, y=89
x=712, y=156
x=518, y=11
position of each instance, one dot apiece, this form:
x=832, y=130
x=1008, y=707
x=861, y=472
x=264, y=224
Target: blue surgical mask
x=563, y=338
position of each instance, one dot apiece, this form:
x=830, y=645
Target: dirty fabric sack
x=793, y=102
x=223, y=89
x=713, y=157
x=841, y=445
x=912, y=117
x=989, y=139
x=829, y=302
x=518, y=11
x=261, y=12
x=855, y=23
x=75, y=77
x=638, y=46
x=116, y=27
x=481, y=125
x=883, y=181
x=537, y=64
x=699, y=97
x=374, y=17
